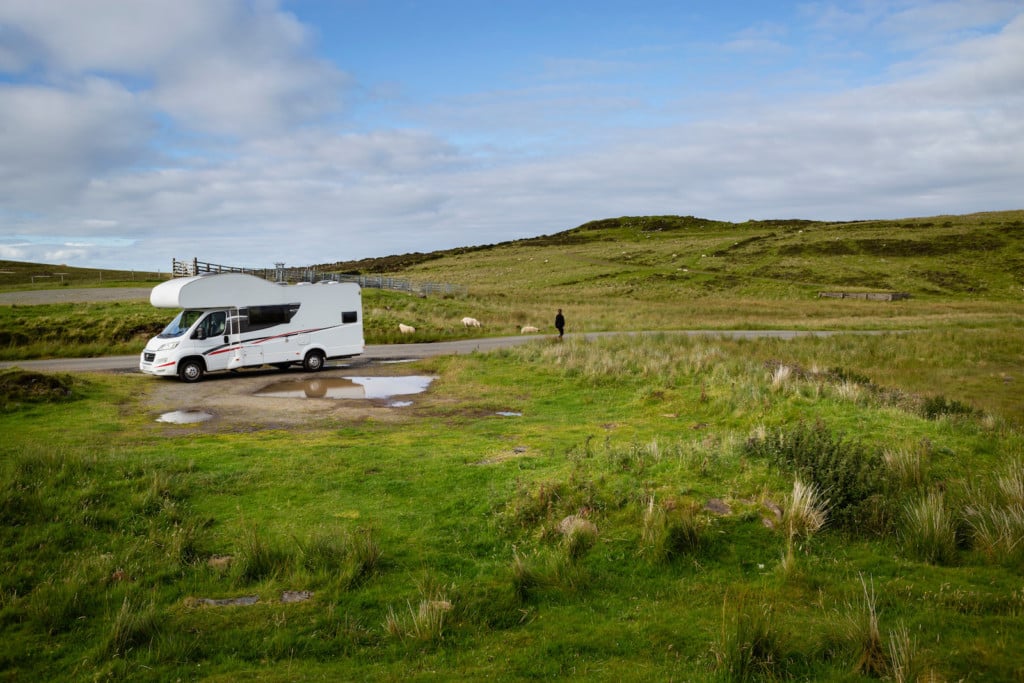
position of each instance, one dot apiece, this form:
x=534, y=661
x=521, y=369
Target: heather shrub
x=851, y=475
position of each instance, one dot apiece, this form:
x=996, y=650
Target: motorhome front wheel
x=190, y=370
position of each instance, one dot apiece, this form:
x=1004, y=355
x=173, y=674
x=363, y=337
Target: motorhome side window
x=260, y=317
x=349, y=317
x=213, y=325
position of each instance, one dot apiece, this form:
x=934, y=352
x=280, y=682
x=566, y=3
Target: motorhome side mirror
x=200, y=334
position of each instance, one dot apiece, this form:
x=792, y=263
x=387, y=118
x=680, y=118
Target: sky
x=250, y=132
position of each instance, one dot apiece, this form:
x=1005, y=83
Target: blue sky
x=247, y=132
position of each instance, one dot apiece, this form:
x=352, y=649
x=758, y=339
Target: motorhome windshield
x=180, y=325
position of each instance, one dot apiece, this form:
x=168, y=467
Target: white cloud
x=229, y=67
x=52, y=141
x=150, y=130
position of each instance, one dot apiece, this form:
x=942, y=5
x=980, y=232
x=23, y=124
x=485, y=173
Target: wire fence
x=281, y=274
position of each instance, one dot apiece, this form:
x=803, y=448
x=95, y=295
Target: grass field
x=648, y=508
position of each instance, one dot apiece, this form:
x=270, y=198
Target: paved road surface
x=375, y=352
x=402, y=351
x=77, y=296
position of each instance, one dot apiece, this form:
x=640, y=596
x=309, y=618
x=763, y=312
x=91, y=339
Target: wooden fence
x=281, y=274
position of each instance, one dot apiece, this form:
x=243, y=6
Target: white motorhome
x=233, y=320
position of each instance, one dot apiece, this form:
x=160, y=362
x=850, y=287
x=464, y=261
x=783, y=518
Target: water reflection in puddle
x=348, y=387
x=184, y=417
x=508, y=413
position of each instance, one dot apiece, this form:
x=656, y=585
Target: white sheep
x=406, y=329
x=470, y=322
x=527, y=329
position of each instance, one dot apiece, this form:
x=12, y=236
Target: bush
x=852, y=476
x=935, y=407
x=21, y=386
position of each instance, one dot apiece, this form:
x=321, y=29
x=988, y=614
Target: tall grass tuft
x=906, y=662
x=750, y=646
x=669, y=533
x=865, y=636
x=935, y=407
x=259, y=558
x=780, y=376
x=578, y=536
x=551, y=569
x=55, y=604
x=183, y=545
x=363, y=556
x=349, y=557
x=132, y=627
x=929, y=532
x=806, y=511
x=908, y=466
x=425, y=623
x=995, y=516
x=524, y=576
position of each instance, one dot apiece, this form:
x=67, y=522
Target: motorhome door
x=210, y=337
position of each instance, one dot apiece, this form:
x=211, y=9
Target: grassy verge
x=636, y=521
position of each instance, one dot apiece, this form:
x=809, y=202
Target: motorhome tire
x=191, y=370
x=314, y=361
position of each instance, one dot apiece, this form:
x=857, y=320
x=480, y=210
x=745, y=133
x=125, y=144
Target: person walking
x=560, y=323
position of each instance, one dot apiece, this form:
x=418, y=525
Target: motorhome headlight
x=168, y=346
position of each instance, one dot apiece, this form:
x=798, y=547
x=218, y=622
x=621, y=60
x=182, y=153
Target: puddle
x=508, y=413
x=397, y=360
x=348, y=387
x=184, y=417
x=400, y=404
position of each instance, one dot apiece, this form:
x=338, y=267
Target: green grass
x=23, y=275
x=433, y=549
x=575, y=541
x=964, y=275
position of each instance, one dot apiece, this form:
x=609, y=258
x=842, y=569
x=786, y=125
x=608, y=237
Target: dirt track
x=233, y=401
